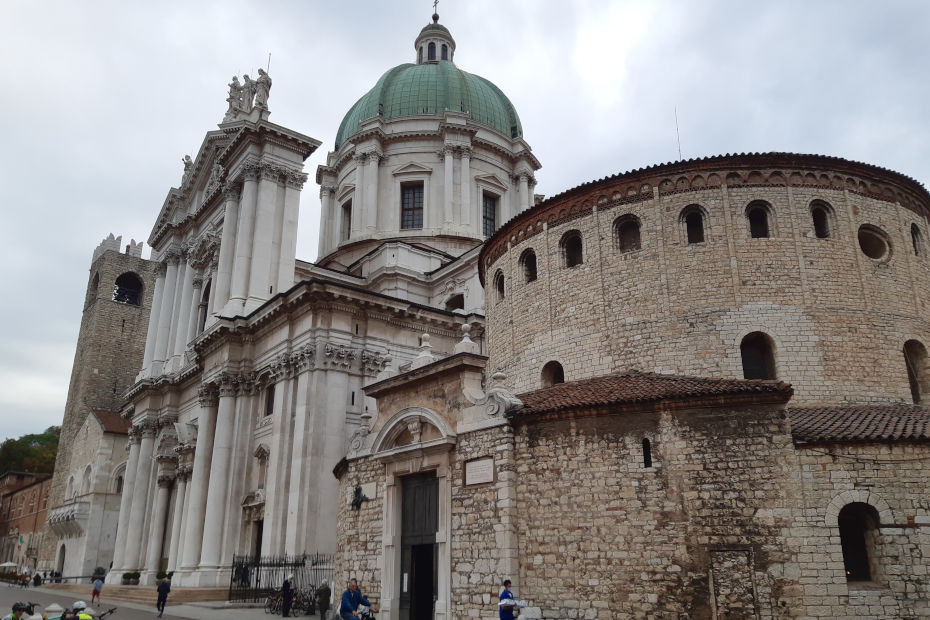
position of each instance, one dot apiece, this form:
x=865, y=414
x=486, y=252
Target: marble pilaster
x=133, y=541
x=219, y=474
x=200, y=479
x=242, y=261
x=152, y=331
x=125, y=503
x=227, y=246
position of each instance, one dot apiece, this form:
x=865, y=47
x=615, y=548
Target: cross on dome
x=435, y=42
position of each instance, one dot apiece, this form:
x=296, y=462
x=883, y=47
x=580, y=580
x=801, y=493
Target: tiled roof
x=860, y=423
x=641, y=387
x=112, y=422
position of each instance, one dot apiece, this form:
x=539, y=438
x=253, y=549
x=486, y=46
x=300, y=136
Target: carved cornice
x=373, y=362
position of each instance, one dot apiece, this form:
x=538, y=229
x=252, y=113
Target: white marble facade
x=251, y=385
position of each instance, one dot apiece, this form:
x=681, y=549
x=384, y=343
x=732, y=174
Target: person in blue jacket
x=351, y=599
x=507, y=602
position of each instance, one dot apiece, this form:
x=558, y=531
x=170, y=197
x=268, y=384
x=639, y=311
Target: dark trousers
x=287, y=604
x=160, y=605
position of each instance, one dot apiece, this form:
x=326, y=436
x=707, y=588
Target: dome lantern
x=434, y=43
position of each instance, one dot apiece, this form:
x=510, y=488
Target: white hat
x=79, y=605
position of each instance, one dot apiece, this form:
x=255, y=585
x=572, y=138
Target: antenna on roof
x=268, y=68
x=677, y=133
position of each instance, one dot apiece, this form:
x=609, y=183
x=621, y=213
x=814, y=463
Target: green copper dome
x=431, y=89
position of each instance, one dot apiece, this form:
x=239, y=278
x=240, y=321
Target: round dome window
x=874, y=243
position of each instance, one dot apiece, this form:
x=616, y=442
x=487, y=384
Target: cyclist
x=18, y=610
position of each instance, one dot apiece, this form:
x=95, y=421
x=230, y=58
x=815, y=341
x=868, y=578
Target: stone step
x=141, y=594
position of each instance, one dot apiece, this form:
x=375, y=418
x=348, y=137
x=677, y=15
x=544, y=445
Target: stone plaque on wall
x=479, y=471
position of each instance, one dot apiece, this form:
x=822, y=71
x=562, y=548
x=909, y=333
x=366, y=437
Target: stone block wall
x=359, y=534
x=603, y=536
x=892, y=478
x=839, y=319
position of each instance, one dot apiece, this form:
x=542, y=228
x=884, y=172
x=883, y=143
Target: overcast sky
x=100, y=101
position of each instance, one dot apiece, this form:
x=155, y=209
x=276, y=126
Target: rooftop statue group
x=247, y=95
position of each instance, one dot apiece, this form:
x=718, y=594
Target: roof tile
x=860, y=423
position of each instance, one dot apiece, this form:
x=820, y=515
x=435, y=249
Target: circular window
x=874, y=243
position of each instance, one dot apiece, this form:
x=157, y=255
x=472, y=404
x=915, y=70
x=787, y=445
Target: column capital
x=232, y=191
x=251, y=171
x=165, y=480
x=148, y=429
x=295, y=179
x=228, y=384
x=197, y=282
x=327, y=190
x=173, y=255
x=207, y=395
x=465, y=152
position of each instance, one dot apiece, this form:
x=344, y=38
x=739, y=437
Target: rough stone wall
x=603, y=536
x=359, y=532
x=483, y=519
x=839, y=319
x=111, y=342
x=892, y=478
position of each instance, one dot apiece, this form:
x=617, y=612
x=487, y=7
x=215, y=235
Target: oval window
x=873, y=243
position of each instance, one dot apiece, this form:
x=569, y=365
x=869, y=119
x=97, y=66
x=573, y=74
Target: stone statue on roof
x=262, y=89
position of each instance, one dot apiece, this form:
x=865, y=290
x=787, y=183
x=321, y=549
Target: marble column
x=152, y=331
x=448, y=187
x=156, y=538
x=259, y=276
x=326, y=218
x=179, y=503
x=279, y=471
x=193, y=312
x=165, y=311
x=125, y=502
x=371, y=192
x=176, y=310
x=358, y=200
x=227, y=246
x=297, y=519
x=200, y=478
x=524, y=193
x=242, y=261
x=468, y=218
x=287, y=261
x=182, y=535
x=134, y=533
x=211, y=300
x=184, y=315
x=219, y=474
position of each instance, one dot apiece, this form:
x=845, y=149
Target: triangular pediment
x=412, y=168
x=492, y=181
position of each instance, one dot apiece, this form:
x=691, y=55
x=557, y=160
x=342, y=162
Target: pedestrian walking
x=163, y=589
x=287, y=595
x=98, y=586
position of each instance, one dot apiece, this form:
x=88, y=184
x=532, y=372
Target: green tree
x=33, y=453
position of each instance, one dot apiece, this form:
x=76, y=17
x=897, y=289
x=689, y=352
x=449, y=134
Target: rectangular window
x=411, y=205
x=489, y=214
x=346, y=220
x=269, y=400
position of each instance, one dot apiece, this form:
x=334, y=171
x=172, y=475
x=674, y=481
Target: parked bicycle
x=304, y=601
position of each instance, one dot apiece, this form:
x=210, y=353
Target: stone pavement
x=133, y=611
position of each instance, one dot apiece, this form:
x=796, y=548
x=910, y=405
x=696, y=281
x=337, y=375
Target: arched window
x=858, y=523
x=528, y=263
x=758, y=355
x=456, y=302
x=420, y=55
x=119, y=484
x=758, y=214
x=499, y=284
x=915, y=358
x=128, y=289
x=431, y=52
x=626, y=233
x=693, y=219
x=86, y=481
x=346, y=220
x=874, y=242
x=916, y=240
x=445, y=52
x=269, y=400
x=69, y=488
x=647, y=453
x=202, y=308
x=552, y=373
x=572, y=254
x=822, y=216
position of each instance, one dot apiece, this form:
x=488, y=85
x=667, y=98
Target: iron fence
x=254, y=578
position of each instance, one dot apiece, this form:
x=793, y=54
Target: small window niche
x=917, y=240
x=499, y=285
x=572, y=251
x=627, y=233
x=528, y=265
x=128, y=289
x=346, y=220
x=647, y=453
x=692, y=219
x=759, y=218
x=874, y=243
x=860, y=539
x=758, y=356
x=269, y=400
x=822, y=219
x=552, y=373
x=918, y=377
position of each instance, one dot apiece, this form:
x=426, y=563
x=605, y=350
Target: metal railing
x=253, y=578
